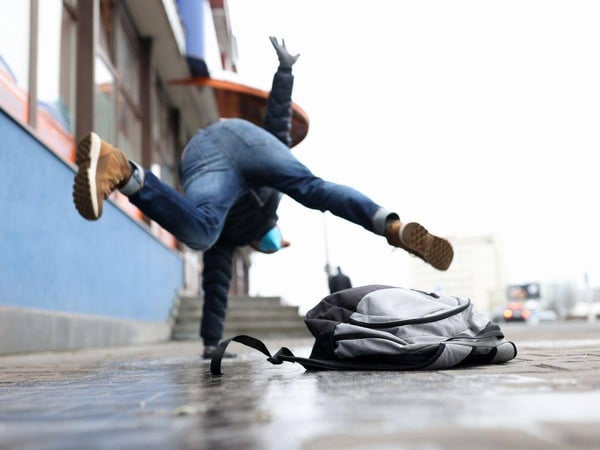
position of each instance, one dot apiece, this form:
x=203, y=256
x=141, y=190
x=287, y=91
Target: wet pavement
x=163, y=397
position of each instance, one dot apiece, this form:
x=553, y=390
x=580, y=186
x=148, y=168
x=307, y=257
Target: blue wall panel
x=52, y=259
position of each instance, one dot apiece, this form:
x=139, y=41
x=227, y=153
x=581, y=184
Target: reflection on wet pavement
x=172, y=402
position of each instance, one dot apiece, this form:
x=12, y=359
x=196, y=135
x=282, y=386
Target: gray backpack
x=380, y=327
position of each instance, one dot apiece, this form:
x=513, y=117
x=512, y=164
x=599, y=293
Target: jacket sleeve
x=278, y=117
x=216, y=279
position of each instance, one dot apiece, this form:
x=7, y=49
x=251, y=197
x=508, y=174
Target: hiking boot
x=102, y=169
x=415, y=239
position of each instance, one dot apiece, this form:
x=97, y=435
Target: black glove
x=286, y=60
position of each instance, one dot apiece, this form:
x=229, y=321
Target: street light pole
x=325, y=239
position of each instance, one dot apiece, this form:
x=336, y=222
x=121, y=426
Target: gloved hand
x=286, y=60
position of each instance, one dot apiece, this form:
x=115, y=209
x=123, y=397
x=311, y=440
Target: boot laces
x=113, y=185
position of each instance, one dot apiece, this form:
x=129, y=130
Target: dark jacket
x=251, y=216
x=339, y=282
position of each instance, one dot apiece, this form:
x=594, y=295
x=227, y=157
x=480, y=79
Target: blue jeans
x=226, y=160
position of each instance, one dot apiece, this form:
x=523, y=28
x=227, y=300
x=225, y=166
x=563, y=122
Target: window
x=129, y=130
x=57, y=40
x=105, y=101
x=56, y=61
x=117, y=115
x=128, y=112
x=163, y=136
x=14, y=57
x=128, y=65
x=54, y=87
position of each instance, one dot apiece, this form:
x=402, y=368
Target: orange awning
x=237, y=100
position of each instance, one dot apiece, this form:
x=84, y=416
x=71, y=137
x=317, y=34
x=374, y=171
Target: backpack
x=378, y=327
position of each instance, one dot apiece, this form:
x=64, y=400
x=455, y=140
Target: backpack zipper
x=398, y=323
x=490, y=331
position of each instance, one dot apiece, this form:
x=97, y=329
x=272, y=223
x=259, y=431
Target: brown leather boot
x=415, y=239
x=102, y=169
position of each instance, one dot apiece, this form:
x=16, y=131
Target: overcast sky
x=471, y=117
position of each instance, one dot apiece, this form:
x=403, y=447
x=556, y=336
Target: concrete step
x=284, y=313
x=195, y=309
x=287, y=328
x=256, y=316
x=234, y=302
x=283, y=325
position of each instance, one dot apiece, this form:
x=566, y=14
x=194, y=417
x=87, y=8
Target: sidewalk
x=163, y=397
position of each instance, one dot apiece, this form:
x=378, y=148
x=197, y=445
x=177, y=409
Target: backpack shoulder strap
x=284, y=354
x=257, y=344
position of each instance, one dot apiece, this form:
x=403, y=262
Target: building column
x=87, y=30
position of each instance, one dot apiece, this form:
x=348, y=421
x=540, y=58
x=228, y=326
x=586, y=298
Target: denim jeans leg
x=211, y=185
x=266, y=161
x=173, y=212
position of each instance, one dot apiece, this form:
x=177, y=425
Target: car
x=516, y=312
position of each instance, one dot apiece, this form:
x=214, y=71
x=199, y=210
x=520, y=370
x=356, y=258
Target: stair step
x=192, y=309
x=242, y=307
x=256, y=316
x=249, y=315
x=266, y=329
x=280, y=325
x=242, y=301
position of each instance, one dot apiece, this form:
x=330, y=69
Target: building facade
x=68, y=67
x=478, y=272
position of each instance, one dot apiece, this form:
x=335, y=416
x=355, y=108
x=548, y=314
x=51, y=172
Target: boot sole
x=85, y=194
x=434, y=250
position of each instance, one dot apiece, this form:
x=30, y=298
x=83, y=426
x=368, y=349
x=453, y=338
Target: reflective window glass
x=129, y=131
x=105, y=97
x=14, y=57
x=128, y=65
x=163, y=136
x=56, y=84
x=56, y=61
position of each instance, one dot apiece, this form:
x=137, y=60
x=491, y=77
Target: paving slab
x=163, y=397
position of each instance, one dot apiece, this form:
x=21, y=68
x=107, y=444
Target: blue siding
x=52, y=259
